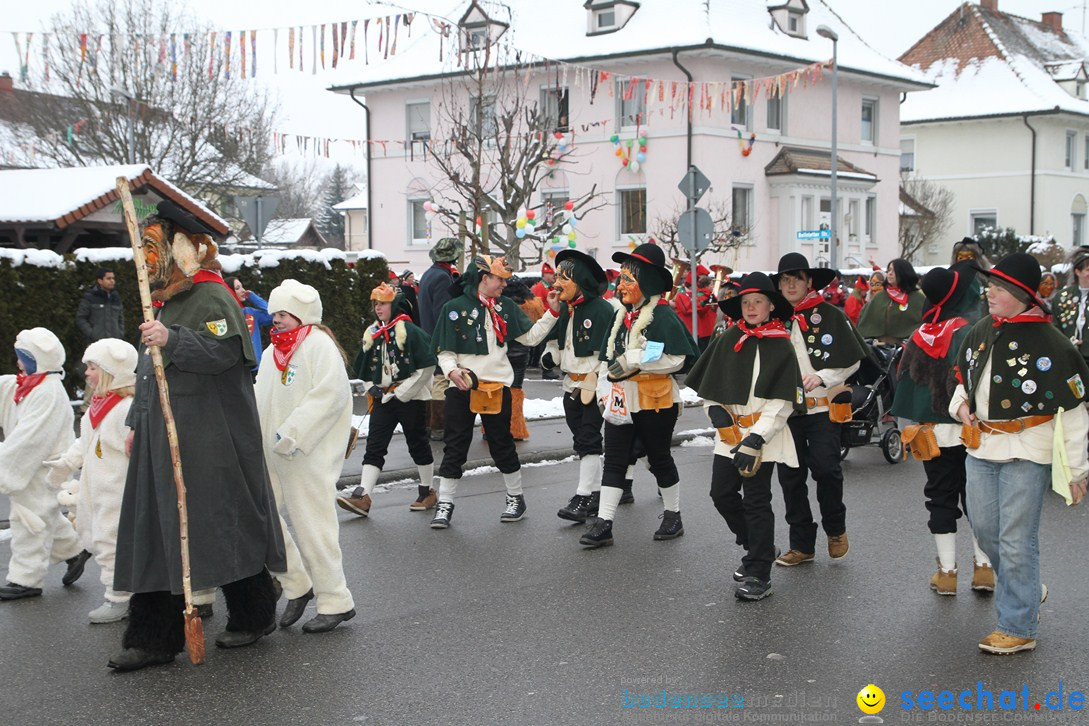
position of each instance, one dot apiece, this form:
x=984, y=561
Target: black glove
x=745, y=452
x=376, y=392
x=720, y=417
x=617, y=370
x=547, y=362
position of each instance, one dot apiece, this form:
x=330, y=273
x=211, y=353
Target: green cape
x=592, y=320
x=415, y=355
x=1065, y=311
x=209, y=309
x=664, y=327
x=725, y=376
x=460, y=326
x=883, y=317
x=914, y=399
x=831, y=340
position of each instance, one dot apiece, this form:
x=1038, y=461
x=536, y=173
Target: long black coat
x=234, y=530
x=434, y=293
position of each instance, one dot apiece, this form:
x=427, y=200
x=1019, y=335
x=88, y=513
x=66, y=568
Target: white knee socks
x=589, y=475
x=513, y=482
x=610, y=497
x=447, y=489
x=427, y=475
x=981, y=556
x=369, y=478
x=947, y=550
x=671, y=498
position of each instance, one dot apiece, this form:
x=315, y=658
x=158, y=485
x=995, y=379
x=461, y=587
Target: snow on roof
x=558, y=31
x=356, y=201
x=64, y=195
x=285, y=231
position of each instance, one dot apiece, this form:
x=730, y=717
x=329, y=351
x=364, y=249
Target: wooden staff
x=194, y=629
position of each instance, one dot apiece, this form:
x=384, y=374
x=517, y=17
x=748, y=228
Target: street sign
x=693, y=185
x=695, y=229
x=814, y=234
x=256, y=212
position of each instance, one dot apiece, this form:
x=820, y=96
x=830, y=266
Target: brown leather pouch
x=839, y=404
x=730, y=435
x=970, y=435
x=920, y=440
x=655, y=393
x=486, y=398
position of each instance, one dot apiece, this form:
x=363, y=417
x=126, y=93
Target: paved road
x=514, y=623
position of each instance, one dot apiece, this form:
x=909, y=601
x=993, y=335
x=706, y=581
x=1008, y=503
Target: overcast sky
x=890, y=26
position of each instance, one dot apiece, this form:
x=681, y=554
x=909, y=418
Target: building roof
x=989, y=63
x=290, y=232
x=811, y=161
x=356, y=201
x=535, y=29
x=63, y=196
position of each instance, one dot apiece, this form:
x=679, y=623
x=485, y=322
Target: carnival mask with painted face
x=1047, y=286
x=877, y=284
x=565, y=283
x=628, y=285
x=965, y=255
x=157, y=254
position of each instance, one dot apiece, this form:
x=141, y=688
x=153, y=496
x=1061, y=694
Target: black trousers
x=745, y=504
x=412, y=415
x=944, y=489
x=584, y=420
x=817, y=440
x=156, y=620
x=458, y=435
x=654, y=429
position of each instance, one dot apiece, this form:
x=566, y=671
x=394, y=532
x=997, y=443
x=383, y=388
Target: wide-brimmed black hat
x=167, y=209
x=944, y=287
x=655, y=278
x=758, y=282
x=820, y=277
x=595, y=269
x=1019, y=272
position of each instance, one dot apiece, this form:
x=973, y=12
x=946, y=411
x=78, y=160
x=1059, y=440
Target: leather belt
x=814, y=402
x=577, y=377
x=1014, y=426
x=748, y=421
x=649, y=376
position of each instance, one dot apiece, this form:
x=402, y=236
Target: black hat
x=1078, y=255
x=944, y=287
x=1019, y=272
x=821, y=277
x=654, y=278
x=168, y=210
x=758, y=282
x=582, y=259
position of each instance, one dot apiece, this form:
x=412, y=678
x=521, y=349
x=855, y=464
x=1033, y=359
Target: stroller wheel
x=892, y=447
x=844, y=449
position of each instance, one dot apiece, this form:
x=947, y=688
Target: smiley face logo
x=871, y=699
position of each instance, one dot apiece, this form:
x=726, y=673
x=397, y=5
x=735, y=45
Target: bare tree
x=726, y=235
x=498, y=146
x=116, y=62
x=927, y=210
x=301, y=185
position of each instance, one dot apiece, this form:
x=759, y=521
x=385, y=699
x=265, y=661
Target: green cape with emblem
x=664, y=327
x=830, y=339
x=592, y=320
x=1065, y=311
x=724, y=375
x=210, y=310
x=460, y=326
x=404, y=359
x=1034, y=369
x=882, y=316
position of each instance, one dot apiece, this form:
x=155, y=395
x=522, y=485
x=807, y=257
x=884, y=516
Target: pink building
x=625, y=68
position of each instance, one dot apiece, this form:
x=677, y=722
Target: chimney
x=990, y=4
x=1053, y=20
x=7, y=84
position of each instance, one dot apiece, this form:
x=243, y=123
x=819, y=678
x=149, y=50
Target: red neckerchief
x=935, y=338
x=102, y=405
x=286, y=343
x=898, y=296
x=574, y=303
x=498, y=324
x=208, y=276
x=771, y=329
x=24, y=384
x=629, y=318
x=1035, y=315
x=383, y=330
x=811, y=300
x=449, y=267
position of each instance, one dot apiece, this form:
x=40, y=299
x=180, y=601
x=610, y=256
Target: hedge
x=47, y=294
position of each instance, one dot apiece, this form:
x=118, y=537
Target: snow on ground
x=5, y=534
x=698, y=441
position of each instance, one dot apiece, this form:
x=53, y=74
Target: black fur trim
x=251, y=603
x=156, y=622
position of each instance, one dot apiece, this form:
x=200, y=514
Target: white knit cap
x=116, y=357
x=298, y=299
x=44, y=346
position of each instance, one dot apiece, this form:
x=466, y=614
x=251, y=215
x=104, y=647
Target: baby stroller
x=873, y=386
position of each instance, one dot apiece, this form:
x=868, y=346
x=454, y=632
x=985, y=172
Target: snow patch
x=698, y=441
x=5, y=535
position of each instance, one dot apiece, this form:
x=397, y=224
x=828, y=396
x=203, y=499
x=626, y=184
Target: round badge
x=816, y=318
x=475, y=313
x=586, y=323
x=967, y=355
x=453, y=315
x=903, y=308
x=1029, y=386
x=1013, y=345
x=826, y=339
x=1043, y=364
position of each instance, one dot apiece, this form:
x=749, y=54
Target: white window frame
x=620, y=216
x=871, y=218
x=417, y=135
x=854, y=226
x=484, y=105
x=1077, y=235
x=975, y=214
x=1085, y=140
x=745, y=106
x=873, y=104
x=1071, y=149
x=561, y=97
x=781, y=100
x=414, y=204
x=746, y=230
x=910, y=166
x=638, y=98
x=555, y=197
x=600, y=14
x=806, y=206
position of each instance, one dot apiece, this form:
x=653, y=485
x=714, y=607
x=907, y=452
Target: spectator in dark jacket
x=100, y=314
x=435, y=292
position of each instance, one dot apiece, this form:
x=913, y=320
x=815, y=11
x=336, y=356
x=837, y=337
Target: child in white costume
x=37, y=420
x=305, y=404
x=99, y=453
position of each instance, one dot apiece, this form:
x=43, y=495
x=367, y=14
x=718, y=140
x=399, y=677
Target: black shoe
x=75, y=567
x=595, y=502
x=444, y=512
x=600, y=535
x=325, y=623
x=578, y=509
x=550, y=374
x=277, y=588
x=740, y=574
x=205, y=611
x=231, y=639
x=133, y=659
x=515, y=509
x=295, y=608
x=753, y=588
x=11, y=591
x=627, y=497
x=671, y=526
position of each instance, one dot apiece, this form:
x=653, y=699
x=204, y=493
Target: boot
x=359, y=500
x=517, y=417
x=599, y=535
x=983, y=577
x=11, y=591
x=577, y=510
x=426, y=493
x=295, y=608
x=75, y=567
x=133, y=659
x=325, y=623
x=944, y=582
x=671, y=527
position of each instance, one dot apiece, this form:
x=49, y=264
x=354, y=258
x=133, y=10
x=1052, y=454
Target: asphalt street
x=515, y=623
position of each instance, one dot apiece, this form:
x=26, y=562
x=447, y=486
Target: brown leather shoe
x=944, y=582
x=360, y=505
x=982, y=577
x=837, y=546
x=422, y=504
x=793, y=557
x=998, y=643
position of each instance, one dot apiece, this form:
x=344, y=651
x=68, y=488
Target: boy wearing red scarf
x=828, y=351
x=305, y=405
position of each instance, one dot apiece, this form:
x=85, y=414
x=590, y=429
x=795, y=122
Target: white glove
x=59, y=471
x=285, y=446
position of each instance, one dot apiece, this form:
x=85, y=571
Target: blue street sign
x=814, y=234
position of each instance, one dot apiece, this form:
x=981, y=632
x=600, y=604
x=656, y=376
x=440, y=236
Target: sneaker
x=627, y=497
x=740, y=573
x=671, y=527
x=837, y=546
x=515, y=510
x=424, y=501
x=982, y=577
x=75, y=567
x=752, y=588
x=998, y=643
x=444, y=512
x=944, y=582
x=357, y=503
x=599, y=535
x=794, y=557
x=577, y=510
x=109, y=612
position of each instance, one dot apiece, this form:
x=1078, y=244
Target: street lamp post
x=825, y=32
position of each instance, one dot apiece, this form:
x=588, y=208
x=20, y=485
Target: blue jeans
x=1004, y=503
